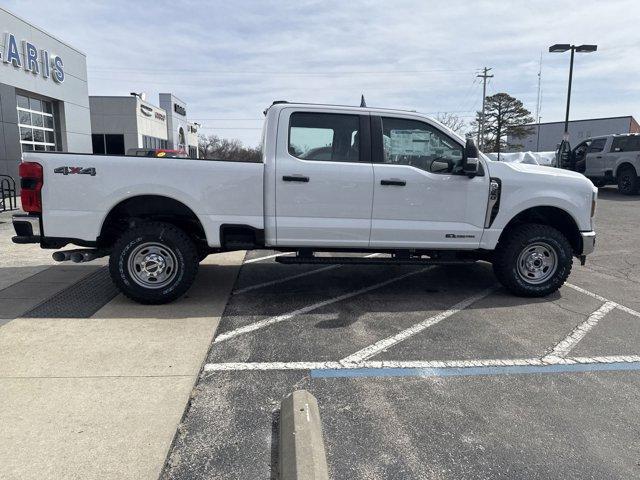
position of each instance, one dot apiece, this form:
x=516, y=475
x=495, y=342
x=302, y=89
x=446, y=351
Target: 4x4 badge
x=76, y=171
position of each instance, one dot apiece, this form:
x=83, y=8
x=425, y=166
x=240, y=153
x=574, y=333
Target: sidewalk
x=102, y=397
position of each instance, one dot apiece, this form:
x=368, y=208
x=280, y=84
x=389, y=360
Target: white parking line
x=259, y=259
x=394, y=364
x=281, y=318
x=292, y=277
x=628, y=310
x=567, y=344
x=378, y=347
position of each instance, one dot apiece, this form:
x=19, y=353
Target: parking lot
x=419, y=372
x=428, y=372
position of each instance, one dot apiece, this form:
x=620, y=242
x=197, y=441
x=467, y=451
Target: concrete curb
x=301, y=448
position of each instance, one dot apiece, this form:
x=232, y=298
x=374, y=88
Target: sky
x=229, y=60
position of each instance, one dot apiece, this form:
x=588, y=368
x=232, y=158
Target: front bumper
x=588, y=242
x=27, y=228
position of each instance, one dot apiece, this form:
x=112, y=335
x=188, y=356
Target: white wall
x=551, y=133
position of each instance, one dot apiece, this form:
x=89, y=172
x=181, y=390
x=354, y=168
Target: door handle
x=598, y=156
x=393, y=182
x=295, y=178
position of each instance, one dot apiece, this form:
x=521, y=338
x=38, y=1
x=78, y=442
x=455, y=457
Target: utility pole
x=538, y=103
x=484, y=77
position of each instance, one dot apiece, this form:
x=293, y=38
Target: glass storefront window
x=24, y=118
x=36, y=120
x=26, y=134
x=23, y=102
x=35, y=104
x=37, y=124
x=38, y=135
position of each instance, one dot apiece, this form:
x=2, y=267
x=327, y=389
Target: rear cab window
x=331, y=137
x=626, y=144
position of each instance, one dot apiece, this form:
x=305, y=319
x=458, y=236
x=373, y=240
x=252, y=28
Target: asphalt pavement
x=431, y=372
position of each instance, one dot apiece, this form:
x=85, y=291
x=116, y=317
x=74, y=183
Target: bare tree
x=214, y=147
x=453, y=121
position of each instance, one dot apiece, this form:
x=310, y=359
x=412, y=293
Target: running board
x=370, y=261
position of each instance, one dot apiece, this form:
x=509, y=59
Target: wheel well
x=625, y=165
x=150, y=207
x=552, y=216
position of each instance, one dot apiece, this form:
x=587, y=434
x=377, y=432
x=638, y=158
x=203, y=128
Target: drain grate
x=80, y=300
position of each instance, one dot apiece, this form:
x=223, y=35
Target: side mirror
x=439, y=166
x=470, y=162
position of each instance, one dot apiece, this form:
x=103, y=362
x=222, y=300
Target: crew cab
x=610, y=160
x=331, y=179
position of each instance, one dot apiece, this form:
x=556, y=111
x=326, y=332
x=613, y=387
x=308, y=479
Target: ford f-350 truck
x=331, y=179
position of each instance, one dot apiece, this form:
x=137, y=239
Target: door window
x=324, y=137
x=414, y=143
x=597, y=145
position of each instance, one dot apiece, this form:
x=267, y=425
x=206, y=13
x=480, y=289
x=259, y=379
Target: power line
x=484, y=77
x=266, y=72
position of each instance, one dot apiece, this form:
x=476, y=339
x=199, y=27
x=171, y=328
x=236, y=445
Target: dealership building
x=121, y=124
x=44, y=100
x=45, y=104
x=545, y=137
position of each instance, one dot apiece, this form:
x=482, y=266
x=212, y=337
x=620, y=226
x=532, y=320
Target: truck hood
x=547, y=174
x=544, y=170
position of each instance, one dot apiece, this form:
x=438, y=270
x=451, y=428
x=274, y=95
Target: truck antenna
x=363, y=104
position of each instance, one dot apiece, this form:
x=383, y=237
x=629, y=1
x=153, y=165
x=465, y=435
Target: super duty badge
x=76, y=171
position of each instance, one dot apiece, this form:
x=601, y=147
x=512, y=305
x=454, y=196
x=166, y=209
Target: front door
x=324, y=179
x=595, y=158
x=421, y=199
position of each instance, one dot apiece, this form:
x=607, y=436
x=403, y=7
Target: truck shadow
x=87, y=292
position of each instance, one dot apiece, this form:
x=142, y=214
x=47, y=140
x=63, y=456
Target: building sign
x=52, y=65
x=179, y=109
x=146, y=110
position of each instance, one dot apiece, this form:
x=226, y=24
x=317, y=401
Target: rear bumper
x=27, y=228
x=588, y=242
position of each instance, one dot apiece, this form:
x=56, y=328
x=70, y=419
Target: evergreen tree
x=504, y=115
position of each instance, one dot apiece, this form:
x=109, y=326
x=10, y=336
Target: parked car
x=156, y=152
x=333, y=178
x=610, y=160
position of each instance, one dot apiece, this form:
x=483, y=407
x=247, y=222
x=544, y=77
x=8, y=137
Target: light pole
x=563, y=47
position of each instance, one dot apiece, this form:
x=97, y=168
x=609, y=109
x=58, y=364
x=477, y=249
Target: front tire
x=533, y=260
x=628, y=183
x=154, y=263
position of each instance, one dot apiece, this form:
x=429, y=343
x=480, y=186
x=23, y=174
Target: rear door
x=421, y=199
x=324, y=178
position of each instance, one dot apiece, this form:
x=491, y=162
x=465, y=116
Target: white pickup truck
x=331, y=179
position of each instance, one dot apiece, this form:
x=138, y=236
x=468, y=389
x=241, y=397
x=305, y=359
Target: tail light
x=31, y=180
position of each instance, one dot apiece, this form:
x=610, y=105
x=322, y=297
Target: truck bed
x=77, y=199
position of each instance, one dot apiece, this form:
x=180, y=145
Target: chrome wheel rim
x=537, y=263
x=152, y=265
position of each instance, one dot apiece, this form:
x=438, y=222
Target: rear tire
x=628, y=181
x=533, y=260
x=154, y=263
